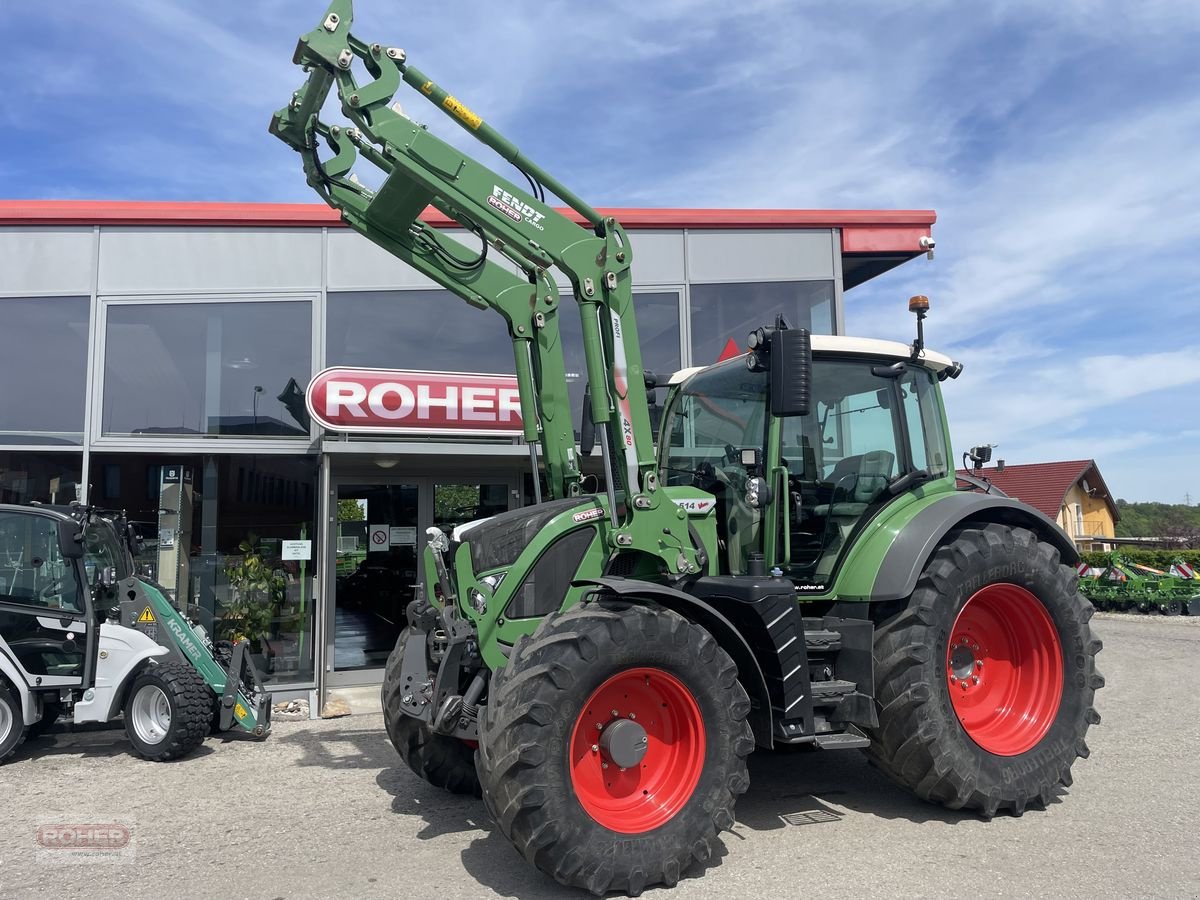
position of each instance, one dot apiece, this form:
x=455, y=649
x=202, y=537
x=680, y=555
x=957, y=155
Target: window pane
x=725, y=312
x=207, y=368
x=33, y=570
x=924, y=422
x=46, y=477
x=202, y=518
x=437, y=331
x=43, y=365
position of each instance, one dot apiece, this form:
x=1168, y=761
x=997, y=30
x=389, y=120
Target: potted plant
x=257, y=593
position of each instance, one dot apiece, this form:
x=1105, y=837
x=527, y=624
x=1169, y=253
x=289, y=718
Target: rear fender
x=123, y=653
x=723, y=631
x=12, y=675
x=905, y=558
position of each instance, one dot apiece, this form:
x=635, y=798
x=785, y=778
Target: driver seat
x=857, y=482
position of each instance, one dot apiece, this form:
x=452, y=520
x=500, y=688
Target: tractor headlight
x=478, y=598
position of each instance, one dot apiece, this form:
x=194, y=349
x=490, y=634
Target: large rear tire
x=985, y=680
x=12, y=721
x=445, y=762
x=614, y=745
x=167, y=711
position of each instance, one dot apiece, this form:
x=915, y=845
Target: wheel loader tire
x=12, y=721
x=168, y=711
x=445, y=762
x=959, y=723
x=613, y=746
x=51, y=710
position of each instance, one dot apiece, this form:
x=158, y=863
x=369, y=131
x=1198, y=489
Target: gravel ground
x=325, y=809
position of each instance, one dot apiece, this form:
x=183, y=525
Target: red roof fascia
x=1043, y=486
x=862, y=230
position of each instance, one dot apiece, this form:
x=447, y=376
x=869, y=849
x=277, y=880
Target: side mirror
x=587, y=428
x=70, y=540
x=791, y=372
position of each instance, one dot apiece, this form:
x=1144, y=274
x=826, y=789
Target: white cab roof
x=856, y=346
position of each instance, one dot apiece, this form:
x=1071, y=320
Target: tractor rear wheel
x=12, y=721
x=443, y=761
x=985, y=680
x=614, y=745
x=167, y=711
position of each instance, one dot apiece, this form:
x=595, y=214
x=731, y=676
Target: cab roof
x=841, y=345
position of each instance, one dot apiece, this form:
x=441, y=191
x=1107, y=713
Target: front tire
x=445, y=762
x=614, y=745
x=985, y=680
x=168, y=711
x=12, y=721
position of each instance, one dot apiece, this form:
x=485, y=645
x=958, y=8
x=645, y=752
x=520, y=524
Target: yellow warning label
x=146, y=618
x=427, y=87
x=239, y=711
x=462, y=112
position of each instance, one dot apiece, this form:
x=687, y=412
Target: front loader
x=789, y=563
x=81, y=636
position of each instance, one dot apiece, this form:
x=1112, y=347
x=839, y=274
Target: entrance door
x=376, y=547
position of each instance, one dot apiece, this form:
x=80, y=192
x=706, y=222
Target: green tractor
x=82, y=636
x=789, y=563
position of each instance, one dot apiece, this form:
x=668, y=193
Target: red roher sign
x=392, y=401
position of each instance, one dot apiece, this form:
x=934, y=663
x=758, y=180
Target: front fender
x=123, y=652
x=903, y=548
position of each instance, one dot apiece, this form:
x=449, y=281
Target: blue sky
x=1059, y=144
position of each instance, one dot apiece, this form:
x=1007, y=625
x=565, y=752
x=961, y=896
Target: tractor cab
x=874, y=430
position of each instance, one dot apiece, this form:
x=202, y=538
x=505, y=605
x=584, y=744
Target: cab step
x=823, y=640
x=833, y=690
x=843, y=741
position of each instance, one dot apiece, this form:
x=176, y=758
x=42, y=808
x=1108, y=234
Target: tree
x=350, y=511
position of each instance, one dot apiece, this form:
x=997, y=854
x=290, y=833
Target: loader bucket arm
x=421, y=170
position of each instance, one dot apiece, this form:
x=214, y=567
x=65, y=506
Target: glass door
x=376, y=565
x=376, y=541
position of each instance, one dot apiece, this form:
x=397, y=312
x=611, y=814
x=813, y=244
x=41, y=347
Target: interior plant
x=257, y=592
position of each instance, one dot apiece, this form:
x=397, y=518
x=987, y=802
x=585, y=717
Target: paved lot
x=325, y=809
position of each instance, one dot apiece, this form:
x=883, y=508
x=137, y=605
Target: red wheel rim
x=644, y=796
x=1005, y=669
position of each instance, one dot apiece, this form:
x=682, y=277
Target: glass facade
x=202, y=518
x=43, y=367
x=207, y=368
x=721, y=313
x=39, y=475
x=435, y=331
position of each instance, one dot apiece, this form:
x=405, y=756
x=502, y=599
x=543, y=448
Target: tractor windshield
x=719, y=413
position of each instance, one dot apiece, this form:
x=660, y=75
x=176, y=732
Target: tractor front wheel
x=167, y=711
x=445, y=762
x=985, y=679
x=12, y=721
x=614, y=745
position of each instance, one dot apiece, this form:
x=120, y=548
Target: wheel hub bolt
x=974, y=679
x=595, y=748
x=615, y=713
x=964, y=685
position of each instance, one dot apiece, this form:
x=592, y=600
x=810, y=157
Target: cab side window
x=33, y=572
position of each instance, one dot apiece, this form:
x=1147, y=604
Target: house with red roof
x=1073, y=493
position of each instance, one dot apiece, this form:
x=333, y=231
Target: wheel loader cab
x=871, y=421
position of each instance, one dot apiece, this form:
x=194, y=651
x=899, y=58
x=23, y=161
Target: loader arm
x=421, y=171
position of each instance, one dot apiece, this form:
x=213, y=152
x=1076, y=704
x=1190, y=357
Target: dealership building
x=160, y=354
